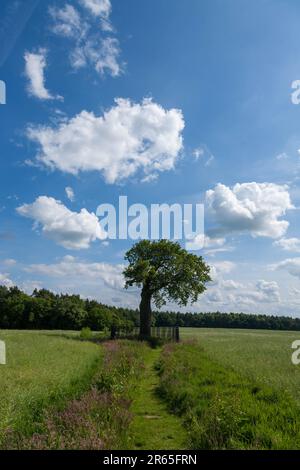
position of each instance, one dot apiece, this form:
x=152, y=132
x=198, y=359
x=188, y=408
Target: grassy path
x=153, y=426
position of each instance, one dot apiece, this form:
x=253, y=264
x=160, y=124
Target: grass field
x=223, y=408
x=224, y=389
x=42, y=369
x=264, y=356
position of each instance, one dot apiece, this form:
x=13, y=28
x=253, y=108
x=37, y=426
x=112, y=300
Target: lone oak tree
x=165, y=271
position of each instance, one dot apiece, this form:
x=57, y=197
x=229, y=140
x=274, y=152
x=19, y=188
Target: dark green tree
x=165, y=272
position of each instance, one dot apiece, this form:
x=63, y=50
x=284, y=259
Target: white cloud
x=291, y=265
x=214, y=296
x=107, y=58
x=5, y=281
x=203, y=153
x=35, y=65
x=230, y=284
x=67, y=22
x=214, y=251
x=88, y=46
x=254, y=208
x=218, y=268
x=213, y=246
x=103, y=55
x=9, y=262
x=70, y=193
x=127, y=138
x=235, y=295
x=267, y=291
x=69, y=229
x=198, y=153
x=294, y=291
x=224, y=266
x=29, y=286
x=94, y=280
x=72, y=268
x=210, y=242
x=100, y=8
x=289, y=244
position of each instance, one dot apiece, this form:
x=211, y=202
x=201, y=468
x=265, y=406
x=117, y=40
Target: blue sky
x=207, y=86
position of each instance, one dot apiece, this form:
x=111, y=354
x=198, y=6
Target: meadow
x=42, y=369
x=260, y=355
x=216, y=389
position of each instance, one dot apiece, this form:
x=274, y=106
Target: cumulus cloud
x=289, y=244
x=224, y=266
x=210, y=242
x=127, y=138
x=214, y=296
x=70, y=267
x=291, y=265
x=88, y=46
x=70, y=193
x=35, y=65
x=72, y=230
x=218, y=269
x=211, y=245
x=254, y=208
x=230, y=284
x=267, y=291
x=94, y=280
x=235, y=295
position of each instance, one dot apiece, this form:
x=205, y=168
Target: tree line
x=46, y=310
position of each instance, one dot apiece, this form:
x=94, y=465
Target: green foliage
x=122, y=367
x=224, y=409
x=226, y=320
x=48, y=311
x=167, y=270
x=86, y=333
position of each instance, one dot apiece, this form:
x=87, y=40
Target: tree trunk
x=145, y=313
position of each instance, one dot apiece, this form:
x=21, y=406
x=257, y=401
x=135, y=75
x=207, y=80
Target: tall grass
x=223, y=409
x=261, y=355
x=42, y=371
x=98, y=419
